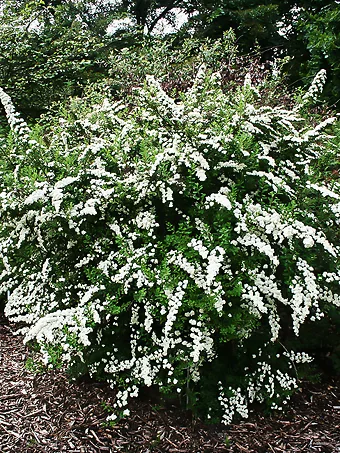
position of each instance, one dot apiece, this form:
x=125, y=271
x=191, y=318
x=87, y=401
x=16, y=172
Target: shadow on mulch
x=47, y=413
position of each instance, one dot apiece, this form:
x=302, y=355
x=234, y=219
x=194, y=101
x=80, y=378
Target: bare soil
x=45, y=412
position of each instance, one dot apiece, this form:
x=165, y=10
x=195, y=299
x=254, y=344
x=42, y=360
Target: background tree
x=306, y=31
x=318, y=33
x=50, y=50
x=148, y=13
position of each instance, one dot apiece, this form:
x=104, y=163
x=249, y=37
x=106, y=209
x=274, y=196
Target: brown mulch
x=46, y=413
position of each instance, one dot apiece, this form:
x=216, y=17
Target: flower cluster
x=316, y=87
x=155, y=244
x=17, y=124
x=235, y=403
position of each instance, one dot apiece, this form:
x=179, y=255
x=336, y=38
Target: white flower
x=308, y=242
x=35, y=196
x=201, y=174
x=65, y=182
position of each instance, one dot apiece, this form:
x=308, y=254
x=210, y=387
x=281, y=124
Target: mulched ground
x=46, y=413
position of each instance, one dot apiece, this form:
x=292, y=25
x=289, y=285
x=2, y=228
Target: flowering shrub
x=176, y=244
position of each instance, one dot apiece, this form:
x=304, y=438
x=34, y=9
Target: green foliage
x=174, y=65
x=48, y=54
x=321, y=34
x=34, y=366
x=307, y=31
x=253, y=22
